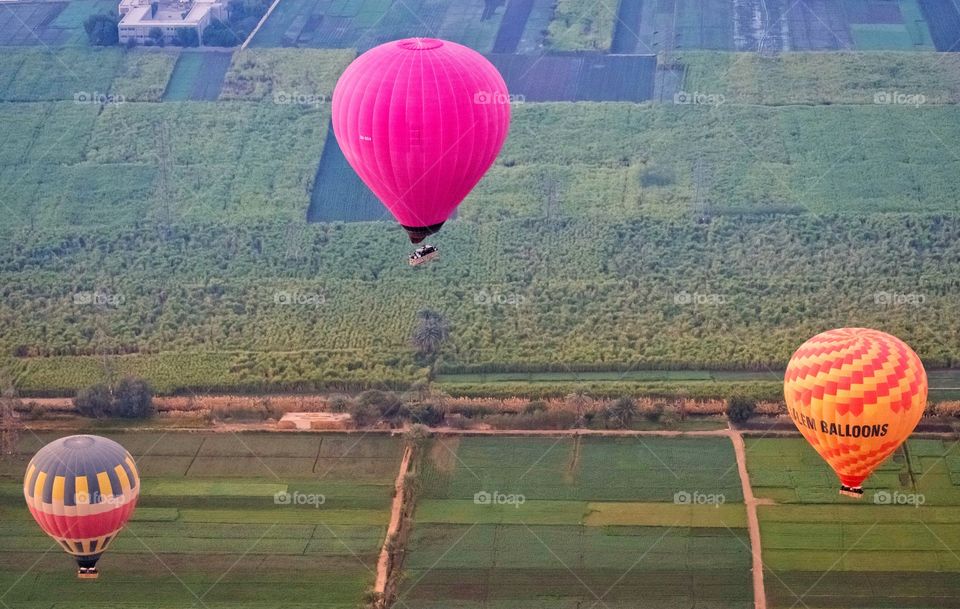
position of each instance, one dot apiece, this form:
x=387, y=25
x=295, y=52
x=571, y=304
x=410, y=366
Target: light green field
x=830, y=547
x=821, y=78
x=578, y=26
x=285, y=75
x=580, y=526
x=223, y=540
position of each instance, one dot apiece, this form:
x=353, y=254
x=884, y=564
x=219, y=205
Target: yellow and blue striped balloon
x=82, y=490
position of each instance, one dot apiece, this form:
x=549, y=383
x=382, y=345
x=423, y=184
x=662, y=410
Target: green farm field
x=605, y=273
x=598, y=523
x=586, y=301
x=638, y=162
x=69, y=73
x=209, y=530
x=362, y=24
x=824, y=550
x=48, y=25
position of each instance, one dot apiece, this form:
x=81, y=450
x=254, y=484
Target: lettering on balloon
x=841, y=430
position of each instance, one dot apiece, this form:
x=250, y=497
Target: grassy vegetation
x=586, y=301
x=239, y=161
x=585, y=248
x=829, y=546
x=285, y=75
x=68, y=73
x=579, y=26
x=821, y=78
x=99, y=166
x=199, y=534
x=144, y=75
x=579, y=515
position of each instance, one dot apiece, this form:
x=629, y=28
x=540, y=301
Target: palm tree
x=622, y=412
x=579, y=400
x=9, y=423
x=430, y=331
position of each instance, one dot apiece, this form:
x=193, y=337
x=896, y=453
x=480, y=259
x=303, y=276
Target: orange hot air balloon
x=855, y=394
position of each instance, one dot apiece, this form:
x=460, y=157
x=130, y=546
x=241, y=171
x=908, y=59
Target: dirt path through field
x=396, y=514
x=753, y=523
x=260, y=23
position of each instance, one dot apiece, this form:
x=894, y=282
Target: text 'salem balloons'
x=82, y=490
x=855, y=394
x=421, y=120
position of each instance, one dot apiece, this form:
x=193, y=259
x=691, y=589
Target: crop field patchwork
x=822, y=78
x=222, y=158
x=362, y=24
x=228, y=541
x=598, y=522
x=84, y=75
x=633, y=523
x=48, y=24
x=829, y=551
x=779, y=25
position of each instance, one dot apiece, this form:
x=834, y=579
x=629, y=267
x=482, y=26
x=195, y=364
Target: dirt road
x=396, y=513
x=753, y=522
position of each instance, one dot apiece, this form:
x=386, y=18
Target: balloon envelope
x=82, y=490
x=421, y=120
x=855, y=394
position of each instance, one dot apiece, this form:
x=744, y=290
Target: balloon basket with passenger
x=424, y=254
x=87, y=566
x=851, y=491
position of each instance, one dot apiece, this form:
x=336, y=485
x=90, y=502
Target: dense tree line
x=734, y=292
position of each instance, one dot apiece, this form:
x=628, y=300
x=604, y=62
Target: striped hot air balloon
x=855, y=394
x=82, y=490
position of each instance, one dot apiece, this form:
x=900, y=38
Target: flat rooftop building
x=139, y=17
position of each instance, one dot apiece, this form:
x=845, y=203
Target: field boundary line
x=396, y=516
x=753, y=522
x=263, y=20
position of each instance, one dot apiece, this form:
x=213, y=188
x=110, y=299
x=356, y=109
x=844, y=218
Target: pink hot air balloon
x=421, y=120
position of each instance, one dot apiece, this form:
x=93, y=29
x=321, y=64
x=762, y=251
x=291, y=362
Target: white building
x=138, y=17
